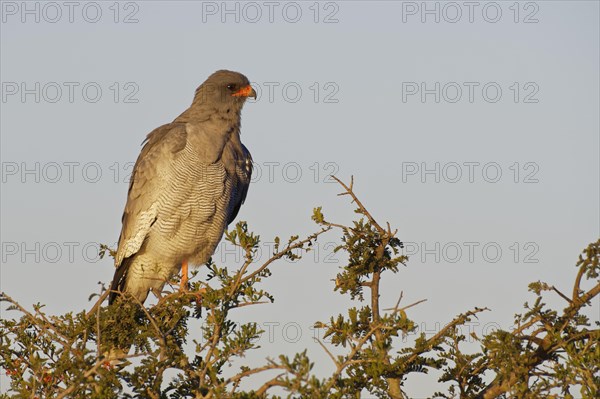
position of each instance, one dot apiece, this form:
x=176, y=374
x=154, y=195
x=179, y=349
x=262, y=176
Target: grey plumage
x=187, y=185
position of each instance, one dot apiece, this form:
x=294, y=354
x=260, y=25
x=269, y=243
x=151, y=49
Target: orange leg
x=184, y=275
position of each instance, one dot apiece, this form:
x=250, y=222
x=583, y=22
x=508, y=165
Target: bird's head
x=225, y=88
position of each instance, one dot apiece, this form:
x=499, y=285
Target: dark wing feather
x=243, y=175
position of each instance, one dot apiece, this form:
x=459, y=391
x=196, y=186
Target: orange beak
x=246, y=91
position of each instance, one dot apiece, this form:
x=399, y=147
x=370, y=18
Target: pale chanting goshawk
x=187, y=185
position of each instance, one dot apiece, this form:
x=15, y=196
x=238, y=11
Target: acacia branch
x=43, y=324
x=87, y=374
x=577, y=284
x=396, y=308
x=363, y=210
x=566, y=298
x=98, y=303
x=333, y=359
x=460, y=319
x=350, y=358
x=547, y=345
x=386, y=236
x=159, y=333
x=283, y=252
x=238, y=377
x=216, y=338
x=269, y=384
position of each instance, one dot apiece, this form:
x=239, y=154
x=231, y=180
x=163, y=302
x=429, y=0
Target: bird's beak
x=246, y=91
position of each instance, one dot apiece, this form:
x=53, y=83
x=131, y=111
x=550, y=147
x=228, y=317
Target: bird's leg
x=184, y=275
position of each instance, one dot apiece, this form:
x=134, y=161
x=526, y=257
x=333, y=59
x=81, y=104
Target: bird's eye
x=231, y=86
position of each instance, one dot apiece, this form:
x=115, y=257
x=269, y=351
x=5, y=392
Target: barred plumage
x=187, y=185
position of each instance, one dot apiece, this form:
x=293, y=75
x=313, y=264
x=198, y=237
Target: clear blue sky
x=472, y=129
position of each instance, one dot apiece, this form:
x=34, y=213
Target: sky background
x=474, y=131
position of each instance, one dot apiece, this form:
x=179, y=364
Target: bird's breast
x=195, y=205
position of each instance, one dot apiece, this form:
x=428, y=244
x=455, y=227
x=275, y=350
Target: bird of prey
x=187, y=185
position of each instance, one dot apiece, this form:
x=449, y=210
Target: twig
x=87, y=374
x=241, y=305
x=161, y=336
x=283, y=252
x=363, y=210
x=413, y=304
x=395, y=309
x=97, y=304
x=46, y=326
x=577, y=283
x=333, y=359
x=431, y=341
x=269, y=384
x=247, y=373
x=566, y=298
x=350, y=358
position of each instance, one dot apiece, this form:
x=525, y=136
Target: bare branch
x=269, y=384
x=283, y=252
x=363, y=210
x=566, y=298
x=239, y=376
x=333, y=359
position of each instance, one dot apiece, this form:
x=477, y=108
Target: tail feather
x=119, y=279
